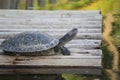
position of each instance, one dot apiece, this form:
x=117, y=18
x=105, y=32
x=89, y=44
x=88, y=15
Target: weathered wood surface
x=54, y=60
x=25, y=26
x=50, y=30
x=51, y=21
x=51, y=64
x=57, y=35
x=85, y=47
x=42, y=13
x=51, y=71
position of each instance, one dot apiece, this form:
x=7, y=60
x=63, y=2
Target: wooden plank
x=28, y=13
x=83, y=46
x=76, y=51
x=58, y=24
x=51, y=60
x=80, y=15
x=51, y=21
x=19, y=67
x=46, y=12
x=92, y=18
x=28, y=63
x=49, y=26
x=58, y=35
x=59, y=18
x=41, y=24
x=42, y=17
x=49, y=16
x=50, y=30
x=59, y=56
x=51, y=71
x=91, y=12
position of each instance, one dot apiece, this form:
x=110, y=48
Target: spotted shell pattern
x=29, y=42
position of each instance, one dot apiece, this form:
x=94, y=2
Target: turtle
x=37, y=43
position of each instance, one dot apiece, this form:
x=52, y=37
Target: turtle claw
x=65, y=51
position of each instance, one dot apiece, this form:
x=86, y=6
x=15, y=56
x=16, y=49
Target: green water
x=50, y=77
x=104, y=76
x=30, y=77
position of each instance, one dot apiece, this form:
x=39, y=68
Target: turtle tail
x=68, y=37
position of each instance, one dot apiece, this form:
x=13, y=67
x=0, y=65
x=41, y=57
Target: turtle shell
x=29, y=42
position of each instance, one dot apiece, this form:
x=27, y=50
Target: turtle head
x=68, y=37
x=62, y=41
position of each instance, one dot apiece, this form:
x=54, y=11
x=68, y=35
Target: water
x=50, y=77
x=31, y=77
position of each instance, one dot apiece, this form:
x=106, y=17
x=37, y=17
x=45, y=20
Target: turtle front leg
x=65, y=51
x=62, y=50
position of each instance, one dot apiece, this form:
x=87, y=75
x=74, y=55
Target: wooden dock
x=85, y=48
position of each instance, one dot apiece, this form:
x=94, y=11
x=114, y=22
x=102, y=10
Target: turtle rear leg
x=65, y=51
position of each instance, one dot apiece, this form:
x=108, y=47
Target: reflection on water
x=104, y=76
x=31, y=77
x=50, y=77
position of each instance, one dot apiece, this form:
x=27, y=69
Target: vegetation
x=80, y=77
x=59, y=5
x=116, y=33
x=71, y=77
x=22, y=4
x=109, y=6
x=107, y=58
